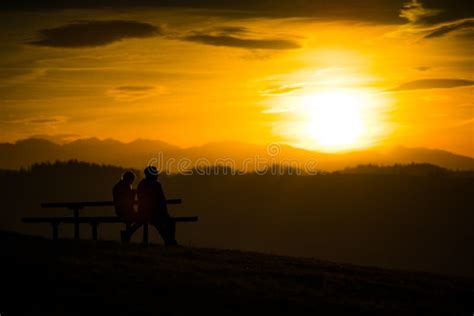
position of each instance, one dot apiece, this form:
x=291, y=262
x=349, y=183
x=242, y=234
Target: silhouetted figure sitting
x=124, y=199
x=152, y=206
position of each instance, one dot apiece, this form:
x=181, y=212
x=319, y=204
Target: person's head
x=128, y=177
x=151, y=172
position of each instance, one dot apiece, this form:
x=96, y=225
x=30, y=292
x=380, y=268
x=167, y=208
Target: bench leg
x=55, y=226
x=145, y=234
x=76, y=224
x=94, y=230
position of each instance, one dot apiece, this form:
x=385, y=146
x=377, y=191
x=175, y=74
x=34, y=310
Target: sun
x=334, y=119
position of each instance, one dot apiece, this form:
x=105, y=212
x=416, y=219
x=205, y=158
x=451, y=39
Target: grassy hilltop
x=83, y=278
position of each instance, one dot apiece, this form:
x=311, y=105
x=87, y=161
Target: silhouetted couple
x=151, y=205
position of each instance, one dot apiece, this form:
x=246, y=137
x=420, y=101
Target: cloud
x=414, y=11
x=44, y=120
x=423, y=68
x=383, y=11
x=279, y=90
x=232, y=30
x=445, y=28
x=433, y=84
x=375, y=11
x=448, y=10
x=236, y=36
x=22, y=72
x=82, y=34
x=234, y=41
x=132, y=93
x=48, y=120
x=134, y=88
x=437, y=19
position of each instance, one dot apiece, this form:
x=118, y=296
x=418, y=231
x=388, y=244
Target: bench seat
x=94, y=221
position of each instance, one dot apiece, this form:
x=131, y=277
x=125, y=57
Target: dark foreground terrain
x=42, y=277
x=412, y=217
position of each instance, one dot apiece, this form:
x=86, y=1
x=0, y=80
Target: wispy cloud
x=280, y=90
x=132, y=92
x=237, y=36
x=428, y=23
x=433, y=84
x=415, y=12
x=423, y=68
x=43, y=120
x=450, y=27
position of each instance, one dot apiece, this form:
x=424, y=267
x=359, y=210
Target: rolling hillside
x=107, y=278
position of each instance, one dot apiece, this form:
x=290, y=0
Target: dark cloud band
x=384, y=11
x=232, y=41
x=83, y=34
x=94, y=33
x=381, y=11
x=433, y=84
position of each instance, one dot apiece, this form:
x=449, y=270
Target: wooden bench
x=94, y=221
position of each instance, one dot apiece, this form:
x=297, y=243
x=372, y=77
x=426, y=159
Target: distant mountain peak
x=139, y=152
x=34, y=141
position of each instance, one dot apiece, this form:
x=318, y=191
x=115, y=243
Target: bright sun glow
x=334, y=120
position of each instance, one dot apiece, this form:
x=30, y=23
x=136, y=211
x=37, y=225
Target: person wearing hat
x=152, y=206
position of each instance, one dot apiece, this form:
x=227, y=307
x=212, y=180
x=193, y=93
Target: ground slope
x=42, y=277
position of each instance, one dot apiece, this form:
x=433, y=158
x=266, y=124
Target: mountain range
x=139, y=153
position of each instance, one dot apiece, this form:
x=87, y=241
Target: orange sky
x=194, y=75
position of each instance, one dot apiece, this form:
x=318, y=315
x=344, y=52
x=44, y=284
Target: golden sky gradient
x=346, y=78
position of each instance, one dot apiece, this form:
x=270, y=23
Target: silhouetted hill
x=107, y=278
x=139, y=152
x=409, y=169
x=409, y=217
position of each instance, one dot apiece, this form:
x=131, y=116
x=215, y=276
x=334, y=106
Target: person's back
x=152, y=206
x=151, y=199
x=124, y=196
